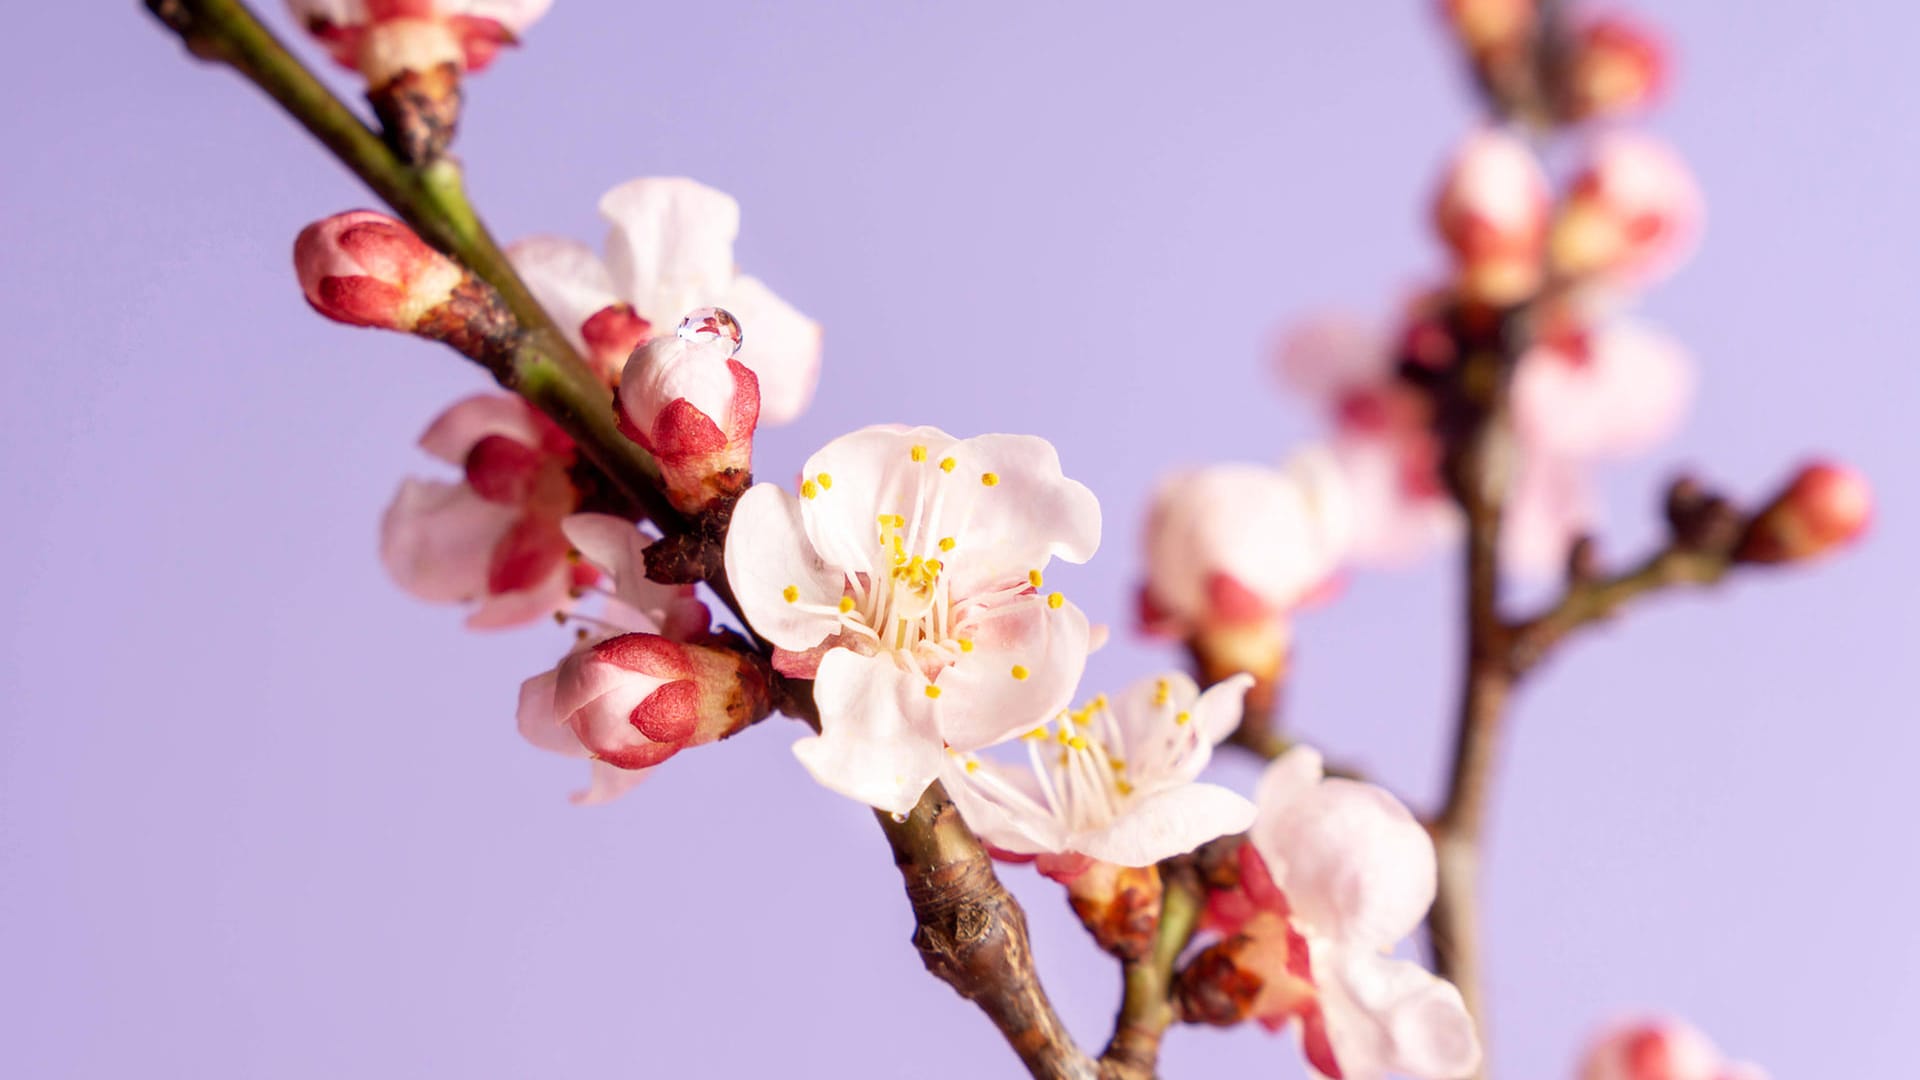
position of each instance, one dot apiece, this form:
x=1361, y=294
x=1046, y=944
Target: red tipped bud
x=366, y=269
x=689, y=403
x=1618, y=66
x=1488, y=26
x=611, y=334
x=1491, y=213
x=636, y=700
x=1826, y=506
x=1632, y=215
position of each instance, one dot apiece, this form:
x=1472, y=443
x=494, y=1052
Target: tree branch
x=972, y=934
x=1146, y=1006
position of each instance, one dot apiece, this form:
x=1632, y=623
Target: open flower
x=1236, y=543
x=907, y=580
x=633, y=605
x=670, y=251
x=1335, y=873
x=1113, y=781
x=1661, y=1049
x=495, y=537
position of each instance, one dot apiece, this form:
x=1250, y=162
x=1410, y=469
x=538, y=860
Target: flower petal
x=606, y=783
x=453, y=433
x=515, y=15
x=878, y=742
x=671, y=247
x=1629, y=391
x=781, y=345
x=1352, y=860
x=437, y=539
x=871, y=472
x=1390, y=1016
x=1027, y=659
x=1326, y=355
x=1170, y=823
x=1549, y=506
x=1002, y=804
x=613, y=544
x=1030, y=512
x=767, y=553
x=568, y=279
x=539, y=723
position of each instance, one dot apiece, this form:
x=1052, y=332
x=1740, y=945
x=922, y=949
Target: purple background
x=261, y=815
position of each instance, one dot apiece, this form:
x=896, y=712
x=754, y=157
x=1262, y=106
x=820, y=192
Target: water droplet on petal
x=708, y=325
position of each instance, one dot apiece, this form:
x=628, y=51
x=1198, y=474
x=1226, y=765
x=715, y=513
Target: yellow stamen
x=825, y=481
x=1020, y=672
x=792, y=593
x=808, y=489
x=918, y=453
x=1034, y=579
x=1054, y=600
x=1078, y=742
x=973, y=766
x=990, y=479
x=846, y=604
x=933, y=691
x=966, y=644
x=1036, y=735
x=1182, y=718
x=946, y=543
x=1123, y=787
x=946, y=464
x=1160, y=689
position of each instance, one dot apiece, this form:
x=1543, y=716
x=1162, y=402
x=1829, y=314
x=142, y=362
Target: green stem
x=1146, y=1004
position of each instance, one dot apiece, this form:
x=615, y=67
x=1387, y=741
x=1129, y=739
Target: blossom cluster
x=899, y=593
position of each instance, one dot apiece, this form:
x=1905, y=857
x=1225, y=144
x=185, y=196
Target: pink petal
x=1170, y=823
x=768, y=551
x=1325, y=356
x=983, y=699
x=1353, y=862
x=671, y=245
x=1629, y=391
x=568, y=279
x=453, y=434
x=437, y=539
x=1390, y=1016
x=878, y=740
x=781, y=345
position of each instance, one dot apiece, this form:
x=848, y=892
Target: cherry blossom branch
x=541, y=366
x=973, y=935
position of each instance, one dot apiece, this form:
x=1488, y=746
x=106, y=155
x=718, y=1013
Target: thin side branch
x=1146, y=1006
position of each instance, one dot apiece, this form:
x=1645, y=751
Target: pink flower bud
x=1618, y=66
x=366, y=269
x=1491, y=213
x=1631, y=216
x=611, y=334
x=1660, y=1049
x=689, y=403
x=1826, y=506
x=419, y=34
x=636, y=700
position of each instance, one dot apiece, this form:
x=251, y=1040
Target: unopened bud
x=689, y=403
x=365, y=269
x=636, y=700
x=413, y=81
x=1826, y=506
x=611, y=334
x=1632, y=215
x=1258, y=973
x=1491, y=213
x=1486, y=26
x=1119, y=906
x=1618, y=66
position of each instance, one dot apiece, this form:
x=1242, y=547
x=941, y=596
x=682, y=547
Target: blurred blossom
x=1619, y=65
x=1491, y=213
x=1632, y=215
x=383, y=37
x=907, y=581
x=1661, y=1048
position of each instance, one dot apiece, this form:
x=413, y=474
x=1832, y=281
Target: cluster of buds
x=364, y=268
x=413, y=54
x=687, y=401
x=1585, y=67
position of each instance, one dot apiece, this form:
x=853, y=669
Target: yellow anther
x=918, y=453
x=946, y=543
x=973, y=766
x=1182, y=718
x=933, y=691
x=1117, y=765
x=1034, y=579
x=885, y=520
x=1020, y=672
x=1078, y=742
x=1038, y=734
x=1054, y=600
x=990, y=479
x=946, y=464
x=965, y=643
x=792, y=593
x=1123, y=787
x=846, y=604
x=1098, y=704
x=1160, y=690
x=808, y=489
x=825, y=481
x=935, y=565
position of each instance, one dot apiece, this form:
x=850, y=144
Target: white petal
x=781, y=345
x=568, y=279
x=1394, y=522
x=606, y=783
x=1170, y=823
x=1390, y=1016
x=1003, y=805
x=982, y=701
x=872, y=472
x=768, y=552
x=1627, y=392
x=1354, y=863
x=671, y=247
x=878, y=742
x=538, y=722
x=610, y=543
x=436, y=539
x=1030, y=514
x=515, y=15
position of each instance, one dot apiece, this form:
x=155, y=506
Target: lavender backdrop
x=263, y=816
